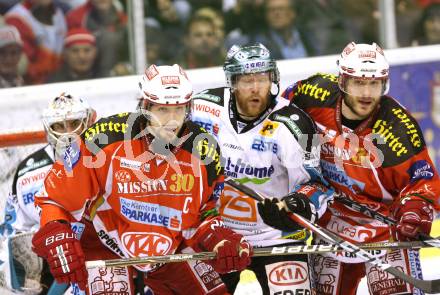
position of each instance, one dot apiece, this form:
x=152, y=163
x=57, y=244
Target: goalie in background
x=65, y=118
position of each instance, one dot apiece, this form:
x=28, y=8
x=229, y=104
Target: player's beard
x=166, y=133
x=251, y=108
x=355, y=106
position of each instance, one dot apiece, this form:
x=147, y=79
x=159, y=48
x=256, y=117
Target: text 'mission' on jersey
x=141, y=204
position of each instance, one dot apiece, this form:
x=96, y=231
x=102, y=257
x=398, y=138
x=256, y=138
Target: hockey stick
x=342, y=198
x=266, y=251
x=428, y=286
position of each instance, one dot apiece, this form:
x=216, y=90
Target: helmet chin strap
x=278, y=89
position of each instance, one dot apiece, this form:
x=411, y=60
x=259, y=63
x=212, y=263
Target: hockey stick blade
x=428, y=286
x=352, y=204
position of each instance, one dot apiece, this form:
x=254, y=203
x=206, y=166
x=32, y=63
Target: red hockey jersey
x=378, y=163
x=141, y=204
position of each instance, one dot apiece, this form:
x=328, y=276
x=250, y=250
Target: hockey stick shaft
x=428, y=286
x=266, y=251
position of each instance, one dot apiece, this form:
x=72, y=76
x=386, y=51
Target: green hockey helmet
x=242, y=60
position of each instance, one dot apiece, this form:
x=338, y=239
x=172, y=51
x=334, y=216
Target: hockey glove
x=413, y=215
x=56, y=243
x=233, y=252
x=276, y=216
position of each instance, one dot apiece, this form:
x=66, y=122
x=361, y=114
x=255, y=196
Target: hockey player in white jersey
x=272, y=148
x=64, y=118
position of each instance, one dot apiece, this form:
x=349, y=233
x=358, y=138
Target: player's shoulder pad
x=400, y=133
x=36, y=160
x=206, y=148
x=111, y=129
x=213, y=95
x=295, y=119
x=319, y=90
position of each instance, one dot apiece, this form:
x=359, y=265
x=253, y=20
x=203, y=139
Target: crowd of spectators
x=62, y=40
x=43, y=41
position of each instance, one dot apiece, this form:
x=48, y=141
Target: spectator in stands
x=170, y=18
x=243, y=22
x=42, y=27
x=200, y=45
x=282, y=37
x=108, y=22
x=219, y=25
x=79, y=57
x=408, y=14
x=428, y=30
x=168, y=11
x=155, y=47
x=364, y=19
x=11, y=48
x=323, y=20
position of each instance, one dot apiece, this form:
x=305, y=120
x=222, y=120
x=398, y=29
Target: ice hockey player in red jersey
x=373, y=151
x=149, y=182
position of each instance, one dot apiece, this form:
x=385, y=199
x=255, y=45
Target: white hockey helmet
x=165, y=85
x=363, y=61
x=61, y=110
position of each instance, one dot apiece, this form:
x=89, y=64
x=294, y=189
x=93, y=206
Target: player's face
x=166, y=121
x=68, y=126
x=252, y=93
x=362, y=97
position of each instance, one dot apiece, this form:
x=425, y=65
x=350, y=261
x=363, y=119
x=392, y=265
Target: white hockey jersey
x=20, y=212
x=264, y=154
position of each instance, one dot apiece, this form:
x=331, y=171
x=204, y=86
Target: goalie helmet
x=65, y=118
x=363, y=61
x=242, y=60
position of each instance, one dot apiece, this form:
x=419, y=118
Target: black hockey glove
x=278, y=218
